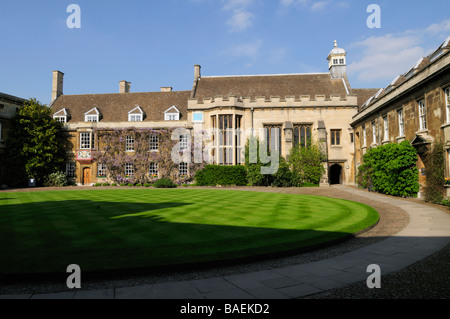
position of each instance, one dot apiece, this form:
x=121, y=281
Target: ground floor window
x=273, y=138
x=183, y=169
x=129, y=169
x=153, y=170
x=302, y=134
x=70, y=169
x=101, y=170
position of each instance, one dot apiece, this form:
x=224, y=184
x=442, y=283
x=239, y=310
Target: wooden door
x=87, y=176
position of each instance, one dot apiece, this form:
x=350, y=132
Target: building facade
x=9, y=106
x=281, y=109
x=415, y=107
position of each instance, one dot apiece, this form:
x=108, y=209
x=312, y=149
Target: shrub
x=284, y=177
x=105, y=184
x=254, y=175
x=138, y=185
x=123, y=184
x=164, y=183
x=130, y=184
x=147, y=185
x=213, y=175
x=97, y=185
x=391, y=169
x=114, y=184
x=58, y=179
x=435, y=163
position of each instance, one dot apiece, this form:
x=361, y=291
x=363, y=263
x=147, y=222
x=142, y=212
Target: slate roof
x=115, y=107
x=271, y=86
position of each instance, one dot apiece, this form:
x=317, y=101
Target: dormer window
x=92, y=116
x=172, y=114
x=61, y=116
x=136, y=115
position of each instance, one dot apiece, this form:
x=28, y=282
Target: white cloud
x=241, y=18
x=382, y=58
x=247, y=50
x=319, y=5
x=385, y=57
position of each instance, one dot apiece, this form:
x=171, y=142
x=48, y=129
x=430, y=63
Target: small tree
x=36, y=147
x=306, y=164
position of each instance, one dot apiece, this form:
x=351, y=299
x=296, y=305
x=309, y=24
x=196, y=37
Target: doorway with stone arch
x=336, y=174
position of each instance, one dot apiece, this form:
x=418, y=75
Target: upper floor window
x=172, y=114
x=374, y=133
x=86, y=141
x=401, y=123
x=92, y=116
x=336, y=137
x=154, y=143
x=364, y=136
x=184, y=142
x=197, y=117
x=447, y=103
x=422, y=115
x=61, y=116
x=129, y=143
x=386, y=128
x=136, y=115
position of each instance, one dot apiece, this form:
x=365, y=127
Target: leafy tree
x=306, y=164
x=36, y=145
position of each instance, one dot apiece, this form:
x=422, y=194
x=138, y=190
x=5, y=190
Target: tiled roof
x=271, y=86
x=115, y=107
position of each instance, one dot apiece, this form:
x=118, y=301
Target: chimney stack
x=166, y=89
x=124, y=87
x=57, y=85
x=197, y=72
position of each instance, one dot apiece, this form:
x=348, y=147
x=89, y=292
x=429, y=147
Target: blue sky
x=157, y=43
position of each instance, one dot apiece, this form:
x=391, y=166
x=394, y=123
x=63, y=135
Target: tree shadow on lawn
x=39, y=240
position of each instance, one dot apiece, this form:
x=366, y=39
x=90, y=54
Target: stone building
x=8, y=108
x=282, y=109
x=415, y=106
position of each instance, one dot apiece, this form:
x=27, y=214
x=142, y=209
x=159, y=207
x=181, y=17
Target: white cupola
x=337, y=63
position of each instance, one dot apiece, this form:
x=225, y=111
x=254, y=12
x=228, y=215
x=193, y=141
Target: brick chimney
x=166, y=89
x=124, y=87
x=57, y=85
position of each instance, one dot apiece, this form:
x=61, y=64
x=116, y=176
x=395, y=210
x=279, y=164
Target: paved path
x=427, y=233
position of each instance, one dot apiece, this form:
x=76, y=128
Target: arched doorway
x=335, y=174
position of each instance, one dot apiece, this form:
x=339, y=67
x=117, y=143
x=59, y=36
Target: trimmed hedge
x=213, y=175
x=391, y=169
x=164, y=183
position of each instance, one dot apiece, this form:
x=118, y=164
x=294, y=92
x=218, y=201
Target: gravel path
x=426, y=279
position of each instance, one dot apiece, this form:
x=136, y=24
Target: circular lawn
x=112, y=229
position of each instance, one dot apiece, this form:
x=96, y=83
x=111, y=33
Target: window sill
x=445, y=125
x=422, y=132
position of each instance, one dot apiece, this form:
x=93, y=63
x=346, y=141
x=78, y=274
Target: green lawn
x=107, y=229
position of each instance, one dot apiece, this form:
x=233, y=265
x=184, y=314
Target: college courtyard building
x=282, y=109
